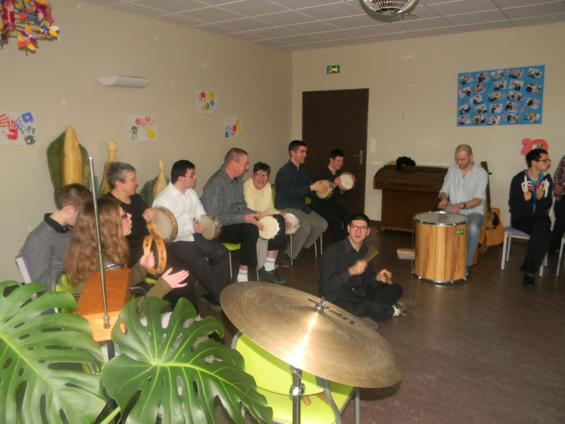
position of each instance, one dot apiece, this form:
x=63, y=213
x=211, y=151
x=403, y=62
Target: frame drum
x=292, y=223
x=325, y=189
x=212, y=227
x=346, y=181
x=270, y=227
x=440, y=240
x=164, y=224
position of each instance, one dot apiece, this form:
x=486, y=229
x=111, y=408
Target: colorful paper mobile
x=28, y=21
x=528, y=145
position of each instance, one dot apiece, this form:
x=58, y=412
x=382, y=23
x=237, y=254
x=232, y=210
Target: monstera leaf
x=175, y=373
x=43, y=357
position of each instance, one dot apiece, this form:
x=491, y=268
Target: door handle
x=360, y=156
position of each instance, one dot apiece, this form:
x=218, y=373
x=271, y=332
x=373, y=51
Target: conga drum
x=325, y=189
x=440, y=241
x=346, y=181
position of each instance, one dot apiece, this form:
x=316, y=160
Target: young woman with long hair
x=115, y=226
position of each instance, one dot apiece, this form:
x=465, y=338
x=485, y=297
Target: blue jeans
x=474, y=230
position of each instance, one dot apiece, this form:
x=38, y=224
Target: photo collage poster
x=512, y=96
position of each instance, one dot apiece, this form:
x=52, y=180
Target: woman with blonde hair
x=115, y=226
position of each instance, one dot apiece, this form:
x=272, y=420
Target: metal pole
x=296, y=391
x=99, y=245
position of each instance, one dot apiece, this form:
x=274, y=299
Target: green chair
x=234, y=247
x=322, y=401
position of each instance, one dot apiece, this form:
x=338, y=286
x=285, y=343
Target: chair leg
x=291, y=254
x=508, y=249
x=560, y=257
x=321, y=244
x=231, y=268
x=316, y=249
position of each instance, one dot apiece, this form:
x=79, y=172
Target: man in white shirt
x=207, y=260
x=464, y=192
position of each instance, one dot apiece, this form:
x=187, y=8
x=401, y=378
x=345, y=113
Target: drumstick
x=371, y=254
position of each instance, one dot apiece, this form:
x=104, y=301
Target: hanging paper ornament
x=28, y=21
x=529, y=145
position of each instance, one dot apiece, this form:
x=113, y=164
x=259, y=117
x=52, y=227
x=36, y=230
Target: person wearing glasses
x=347, y=280
x=530, y=201
x=464, y=192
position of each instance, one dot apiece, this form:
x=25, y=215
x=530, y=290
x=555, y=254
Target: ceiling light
x=388, y=9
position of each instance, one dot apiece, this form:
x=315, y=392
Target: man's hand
x=251, y=218
x=198, y=226
x=442, y=204
x=149, y=215
x=357, y=268
x=384, y=276
x=455, y=208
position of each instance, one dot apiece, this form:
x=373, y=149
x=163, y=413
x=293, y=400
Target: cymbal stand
x=296, y=391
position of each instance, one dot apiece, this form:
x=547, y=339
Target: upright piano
x=406, y=192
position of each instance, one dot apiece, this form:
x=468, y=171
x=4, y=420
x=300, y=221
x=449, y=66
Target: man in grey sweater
x=45, y=247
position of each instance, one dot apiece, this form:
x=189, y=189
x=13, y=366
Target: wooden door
x=337, y=119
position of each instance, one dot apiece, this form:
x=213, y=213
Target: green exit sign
x=333, y=69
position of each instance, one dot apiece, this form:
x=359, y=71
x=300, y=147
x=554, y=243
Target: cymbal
x=332, y=343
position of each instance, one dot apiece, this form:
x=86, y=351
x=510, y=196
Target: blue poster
x=512, y=96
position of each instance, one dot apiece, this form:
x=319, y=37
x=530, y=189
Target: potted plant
x=51, y=370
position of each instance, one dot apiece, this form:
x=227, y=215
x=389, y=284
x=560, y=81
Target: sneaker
x=403, y=305
x=283, y=261
x=271, y=277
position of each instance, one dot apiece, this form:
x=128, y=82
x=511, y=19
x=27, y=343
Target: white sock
x=269, y=264
x=242, y=276
x=396, y=311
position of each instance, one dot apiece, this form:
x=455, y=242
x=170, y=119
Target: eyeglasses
x=545, y=160
x=359, y=227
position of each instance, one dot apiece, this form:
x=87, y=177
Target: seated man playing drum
x=259, y=197
x=464, y=191
x=329, y=208
x=292, y=186
x=223, y=198
x=46, y=246
x=207, y=260
x=347, y=280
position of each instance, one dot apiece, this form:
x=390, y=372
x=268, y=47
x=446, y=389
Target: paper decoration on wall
x=142, y=128
x=17, y=129
x=500, y=97
x=232, y=126
x=528, y=145
x=28, y=21
x=207, y=101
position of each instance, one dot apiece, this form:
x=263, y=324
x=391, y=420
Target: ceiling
x=304, y=24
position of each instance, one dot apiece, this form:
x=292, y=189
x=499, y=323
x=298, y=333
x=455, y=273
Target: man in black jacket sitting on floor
x=348, y=281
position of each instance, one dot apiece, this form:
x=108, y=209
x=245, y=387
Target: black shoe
x=529, y=280
x=284, y=261
x=271, y=277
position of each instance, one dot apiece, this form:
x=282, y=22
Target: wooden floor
x=489, y=351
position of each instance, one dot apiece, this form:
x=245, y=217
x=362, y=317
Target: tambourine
x=346, y=181
x=163, y=225
x=212, y=227
x=324, y=189
x=270, y=227
x=161, y=253
x=292, y=223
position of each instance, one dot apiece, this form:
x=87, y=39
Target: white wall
x=413, y=97
x=58, y=85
